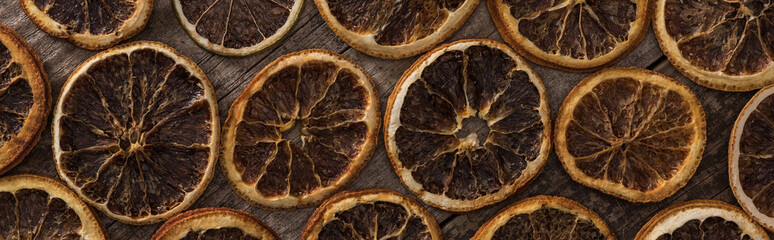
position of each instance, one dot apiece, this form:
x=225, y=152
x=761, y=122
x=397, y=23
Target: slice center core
x=293, y=134
x=474, y=130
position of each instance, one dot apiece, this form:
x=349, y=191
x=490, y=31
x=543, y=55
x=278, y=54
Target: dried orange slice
x=749, y=158
x=631, y=133
x=38, y=207
x=92, y=25
x=371, y=214
x=442, y=96
x=303, y=129
x=395, y=29
x=214, y=223
x=135, y=132
x=25, y=98
x=237, y=27
x=575, y=35
x=701, y=219
x=726, y=45
x=545, y=217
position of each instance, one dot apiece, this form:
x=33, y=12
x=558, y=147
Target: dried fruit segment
x=749, y=158
x=89, y=24
x=545, y=217
x=395, y=29
x=25, y=98
x=701, y=219
x=724, y=45
x=572, y=35
x=140, y=157
x=214, y=223
x=371, y=214
x=303, y=129
x=37, y=207
x=427, y=140
x=631, y=133
x=237, y=27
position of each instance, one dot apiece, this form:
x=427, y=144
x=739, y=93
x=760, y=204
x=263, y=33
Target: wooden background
x=231, y=75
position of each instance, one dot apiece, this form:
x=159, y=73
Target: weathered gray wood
x=231, y=75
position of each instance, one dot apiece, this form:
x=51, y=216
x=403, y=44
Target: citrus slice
x=631, y=133
x=25, y=98
x=545, y=217
x=425, y=135
x=573, y=35
x=724, y=45
x=92, y=25
x=135, y=132
x=701, y=219
x=214, y=223
x=371, y=214
x=302, y=129
x=38, y=207
x=749, y=158
x=237, y=27
x=395, y=29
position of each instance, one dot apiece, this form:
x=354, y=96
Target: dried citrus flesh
x=89, y=24
x=237, y=27
x=574, y=35
x=750, y=152
x=701, y=219
x=470, y=79
x=631, y=133
x=38, y=207
x=371, y=214
x=725, y=45
x=214, y=223
x=321, y=97
x=395, y=29
x=135, y=132
x=25, y=98
x=545, y=217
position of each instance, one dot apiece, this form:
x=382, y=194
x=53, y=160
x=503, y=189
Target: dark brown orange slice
x=701, y=220
x=302, y=130
x=38, y=207
x=750, y=156
x=573, y=35
x=214, y=223
x=545, y=217
x=726, y=44
x=135, y=132
x=395, y=29
x=25, y=98
x=430, y=131
x=371, y=214
x=89, y=24
x=631, y=133
x=237, y=27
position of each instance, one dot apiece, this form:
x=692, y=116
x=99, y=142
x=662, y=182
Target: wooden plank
x=231, y=75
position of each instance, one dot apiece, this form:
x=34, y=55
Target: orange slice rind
x=25, y=98
x=545, y=217
x=371, y=214
x=136, y=132
x=470, y=79
x=303, y=129
x=214, y=223
x=394, y=30
x=701, y=219
x=93, y=25
x=631, y=133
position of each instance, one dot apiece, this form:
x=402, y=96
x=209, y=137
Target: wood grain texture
x=230, y=76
